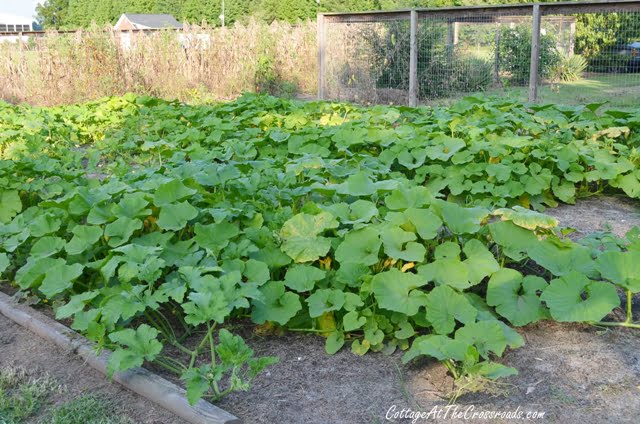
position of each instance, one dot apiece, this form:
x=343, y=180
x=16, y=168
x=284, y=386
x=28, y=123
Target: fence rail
x=537, y=51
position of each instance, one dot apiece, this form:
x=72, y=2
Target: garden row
x=143, y=221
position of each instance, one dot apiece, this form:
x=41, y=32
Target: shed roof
x=153, y=21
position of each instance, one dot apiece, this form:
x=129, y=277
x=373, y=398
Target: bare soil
x=572, y=373
x=21, y=348
x=617, y=214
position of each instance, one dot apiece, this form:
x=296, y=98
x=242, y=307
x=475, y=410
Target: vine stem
x=169, y=367
x=629, y=311
x=197, y=350
x=180, y=347
x=628, y=322
x=451, y=366
x=618, y=324
x=307, y=330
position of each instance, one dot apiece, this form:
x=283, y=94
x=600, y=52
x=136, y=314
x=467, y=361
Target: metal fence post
x=322, y=68
x=535, y=55
x=413, y=61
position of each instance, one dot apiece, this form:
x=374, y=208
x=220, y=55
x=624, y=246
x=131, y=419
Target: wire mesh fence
x=571, y=53
x=368, y=58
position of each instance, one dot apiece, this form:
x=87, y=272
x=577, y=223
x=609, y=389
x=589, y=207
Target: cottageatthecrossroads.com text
x=458, y=412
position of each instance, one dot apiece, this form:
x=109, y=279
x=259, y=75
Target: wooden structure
x=130, y=21
x=455, y=16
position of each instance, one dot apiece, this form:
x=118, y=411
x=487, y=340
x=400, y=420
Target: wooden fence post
x=496, y=62
x=322, y=71
x=535, y=55
x=413, y=61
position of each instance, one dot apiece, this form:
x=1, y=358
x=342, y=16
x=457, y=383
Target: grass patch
x=618, y=91
x=24, y=398
x=21, y=395
x=86, y=409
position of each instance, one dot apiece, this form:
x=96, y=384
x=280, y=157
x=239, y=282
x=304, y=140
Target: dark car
x=633, y=51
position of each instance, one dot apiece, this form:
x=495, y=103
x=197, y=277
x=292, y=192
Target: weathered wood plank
x=413, y=61
x=139, y=380
x=322, y=63
x=535, y=55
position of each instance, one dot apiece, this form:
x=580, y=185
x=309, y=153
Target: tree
x=52, y=13
x=172, y=7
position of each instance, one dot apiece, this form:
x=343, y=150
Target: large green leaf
x=76, y=304
x=400, y=244
x=360, y=247
x=426, y=222
x=396, y=291
x=446, y=271
x=47, y=246
x=513, y=239
x=171, y=192
x=443, y=147
x=84, y=236
x=491, y=370
x=358, y=184
x=461, y=220
x=408, y=197
x=334, y=343
x=352, y=321
x=4, y=262
x=10, y=205
x=575, y=298
x=141, y=345
x=562, y=259
x=526, y=218
x=277, y=305
x=206, y=306
x=325, y=300
x=174, y=217
x=445, y=306
x=120, y=231
x=621, y=268
x=437, y=346
x=215, y=237
x=44, y=224
x=132, y=205
x=480, y=262
x=516, y=297
x=629, y=183
x=302, y=278
x=486, y=336
x=300, y=234
x=32, y=273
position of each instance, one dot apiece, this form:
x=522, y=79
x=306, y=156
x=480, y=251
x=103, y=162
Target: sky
x=24, y=9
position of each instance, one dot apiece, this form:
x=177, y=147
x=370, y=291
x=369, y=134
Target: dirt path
x=21, y=348
x=618, y=214
x=572, y=373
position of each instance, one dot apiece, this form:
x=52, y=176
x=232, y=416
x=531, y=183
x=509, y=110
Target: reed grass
x=198, y=63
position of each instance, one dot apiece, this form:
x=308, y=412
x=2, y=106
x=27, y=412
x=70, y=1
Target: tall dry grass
x=190, y=65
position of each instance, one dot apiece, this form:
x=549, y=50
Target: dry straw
x=196, y=63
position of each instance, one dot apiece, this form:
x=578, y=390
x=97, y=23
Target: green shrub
x=269, y=81
x=570, y=68
x=442, y=70
x=454, y=73
x=515, y=54
x=609, y=62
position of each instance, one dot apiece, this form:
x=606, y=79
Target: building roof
x=7, y=18
x=153, y=21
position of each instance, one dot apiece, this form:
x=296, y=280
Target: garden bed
x=383, y=229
